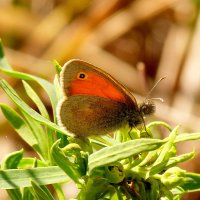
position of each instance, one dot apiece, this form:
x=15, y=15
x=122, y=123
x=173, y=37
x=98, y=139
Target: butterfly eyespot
x=82, y=76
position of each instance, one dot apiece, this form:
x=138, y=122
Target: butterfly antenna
x=158, y=98
x=151, y=90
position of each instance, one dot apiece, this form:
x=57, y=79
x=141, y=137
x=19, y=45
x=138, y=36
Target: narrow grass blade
x=20, y=126
x=16, y=178
x=24, y=107
x=36, y=99
x=47, y=86
x=41, y=192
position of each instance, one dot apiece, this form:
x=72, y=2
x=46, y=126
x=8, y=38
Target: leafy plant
x=125, y=166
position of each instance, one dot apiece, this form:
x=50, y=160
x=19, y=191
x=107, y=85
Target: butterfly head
x=147, y=107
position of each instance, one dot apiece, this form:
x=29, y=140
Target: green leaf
x=27, y=194
x=102, y=141
x=178, y=159
x=63, y=162
x=159, y=123
x=20, y=126
x=94, y=189
x=58, y=66
x=147, y=159
x=43, y=142
x=47, y=86
x=59, y=191
x=16, y=178
x=59, y=92
x=120, y=151
x=12, y=116
x=154, y=189
x=191, y=182
x=41, y=192
x=24, y=107
x=30, y=162
x=14, y=194
x=36, y=99
x=186, y=137
x=173, y=161
x=40, y=135
x=164, y=155
x=12, y=160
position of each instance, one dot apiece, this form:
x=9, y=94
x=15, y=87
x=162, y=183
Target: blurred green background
x=137, y=41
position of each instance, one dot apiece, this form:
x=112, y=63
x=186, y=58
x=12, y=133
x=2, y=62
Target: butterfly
x=94, y=103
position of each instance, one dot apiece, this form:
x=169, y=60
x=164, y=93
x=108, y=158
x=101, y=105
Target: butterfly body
x=94, y=103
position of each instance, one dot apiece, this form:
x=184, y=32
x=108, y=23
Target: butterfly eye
x=82, y=75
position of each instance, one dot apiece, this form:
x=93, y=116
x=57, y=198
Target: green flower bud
x=172, y=177
x=71, y=149
x=114, y=173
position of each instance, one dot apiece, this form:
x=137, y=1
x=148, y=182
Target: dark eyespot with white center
x=82, y=75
